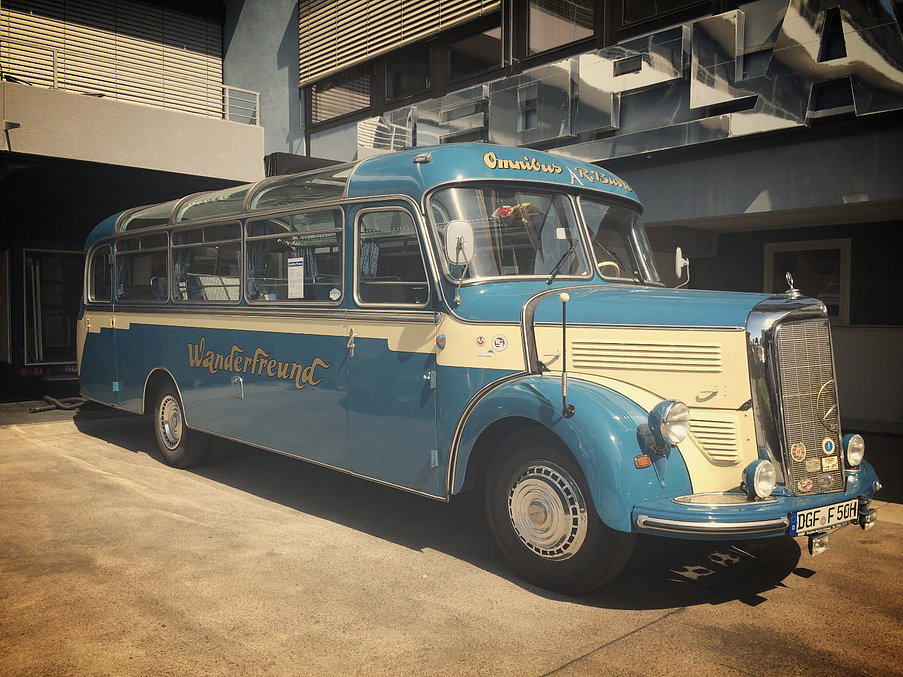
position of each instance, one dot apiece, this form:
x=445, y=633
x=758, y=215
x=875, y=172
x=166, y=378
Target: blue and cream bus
x=476, y=317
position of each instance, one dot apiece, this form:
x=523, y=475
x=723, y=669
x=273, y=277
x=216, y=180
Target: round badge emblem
x=804, y=484
x=481, y=341
x=825, y=482
x=828, y=446
x=798, y=452
x=499, y=343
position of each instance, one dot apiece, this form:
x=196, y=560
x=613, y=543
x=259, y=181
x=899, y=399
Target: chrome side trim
x=462, y=421
x=715, y=528
x=528, y=311
x=644, y=327
x=274, y=312
x=144, y=392
x=399, y=316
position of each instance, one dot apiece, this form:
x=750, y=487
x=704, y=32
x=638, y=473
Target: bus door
x=290, y=391
x=286, y=372
x=391, y=346
x=97, y=366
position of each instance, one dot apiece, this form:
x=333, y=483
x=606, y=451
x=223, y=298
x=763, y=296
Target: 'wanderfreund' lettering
x=260, y=362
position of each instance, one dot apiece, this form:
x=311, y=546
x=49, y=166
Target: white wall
x=62, y=124
x=869, y=369
x=260, y=48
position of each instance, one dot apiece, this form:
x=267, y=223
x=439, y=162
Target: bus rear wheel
x=539, y=508
x=180, y=446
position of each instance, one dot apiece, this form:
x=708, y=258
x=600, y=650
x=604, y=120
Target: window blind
x=120, y=49
x=337, y=34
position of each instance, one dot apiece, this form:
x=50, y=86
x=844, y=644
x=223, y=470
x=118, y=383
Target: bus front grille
x=812, y=455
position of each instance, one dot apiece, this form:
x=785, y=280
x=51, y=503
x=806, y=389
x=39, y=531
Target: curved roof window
x=226, y=202
x=293, y=189
x=147, y=217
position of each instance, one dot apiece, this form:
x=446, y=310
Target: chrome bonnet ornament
x=792, y=291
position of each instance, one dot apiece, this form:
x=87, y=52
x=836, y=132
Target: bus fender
x=601, y=435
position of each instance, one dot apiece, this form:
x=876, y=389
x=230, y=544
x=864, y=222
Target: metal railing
x=241, y=105
x=37, y=65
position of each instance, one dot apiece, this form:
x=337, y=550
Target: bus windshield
x=515, y=232
x=620, y=246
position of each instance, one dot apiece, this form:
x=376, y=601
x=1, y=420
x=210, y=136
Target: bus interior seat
x=158, y=288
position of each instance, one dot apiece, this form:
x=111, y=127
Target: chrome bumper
x=761, y=527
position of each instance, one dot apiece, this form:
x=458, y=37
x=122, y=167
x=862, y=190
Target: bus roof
x=411, y=173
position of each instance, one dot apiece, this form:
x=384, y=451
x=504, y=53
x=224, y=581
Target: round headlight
x=670, y=421
x=854, y=448
x=759, y=478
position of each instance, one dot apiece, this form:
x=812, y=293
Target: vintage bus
x=478, y=317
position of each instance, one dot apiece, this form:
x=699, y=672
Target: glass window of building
x=636, y=11
x=475, y=51
x=820, y=268
x=408, y=72
x=343, y=93
x=553, y=23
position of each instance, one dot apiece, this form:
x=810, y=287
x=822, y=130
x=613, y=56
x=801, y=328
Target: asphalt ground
x=112, y=563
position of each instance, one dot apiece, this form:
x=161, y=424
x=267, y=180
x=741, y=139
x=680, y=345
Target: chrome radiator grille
x=810, y=418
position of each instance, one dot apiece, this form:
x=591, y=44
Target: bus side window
x=142, y=268
x=100, y=277
x=295, y=257
x=206, y=263
x=390, y=268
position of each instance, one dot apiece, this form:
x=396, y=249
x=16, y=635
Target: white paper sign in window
x=296, y=278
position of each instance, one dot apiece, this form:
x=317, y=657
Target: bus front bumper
x=732, y=514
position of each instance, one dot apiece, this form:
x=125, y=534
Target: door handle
x=350, y=345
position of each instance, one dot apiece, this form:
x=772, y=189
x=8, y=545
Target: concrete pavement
x=113, y=563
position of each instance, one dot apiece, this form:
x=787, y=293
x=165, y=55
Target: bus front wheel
x=180, y=446
x=541, y=513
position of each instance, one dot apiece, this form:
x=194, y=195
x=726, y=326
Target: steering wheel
x=609, y=264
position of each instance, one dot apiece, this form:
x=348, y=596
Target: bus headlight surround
x=670, y=422
x=854, y=448
x=759, y=478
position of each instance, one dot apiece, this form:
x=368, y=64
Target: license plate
x=824, y=518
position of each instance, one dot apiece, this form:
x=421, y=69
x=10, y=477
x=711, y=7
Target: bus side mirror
x=459, y=242
x=679, y=264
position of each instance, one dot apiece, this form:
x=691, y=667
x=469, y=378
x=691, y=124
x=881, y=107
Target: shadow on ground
x=661, y=574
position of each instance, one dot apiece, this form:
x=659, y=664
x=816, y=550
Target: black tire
x=540, y=510
x=180, y=446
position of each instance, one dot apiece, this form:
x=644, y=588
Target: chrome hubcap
x=170, y=422
x=547, y=510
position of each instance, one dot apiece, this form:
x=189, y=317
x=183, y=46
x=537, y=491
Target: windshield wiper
x=624, y=266
x=558, y=265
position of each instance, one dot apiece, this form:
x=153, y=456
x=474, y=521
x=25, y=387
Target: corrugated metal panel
x=120, y=49
x=337, y=34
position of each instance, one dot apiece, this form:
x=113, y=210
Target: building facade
x=106, y=104
x=763, y=137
